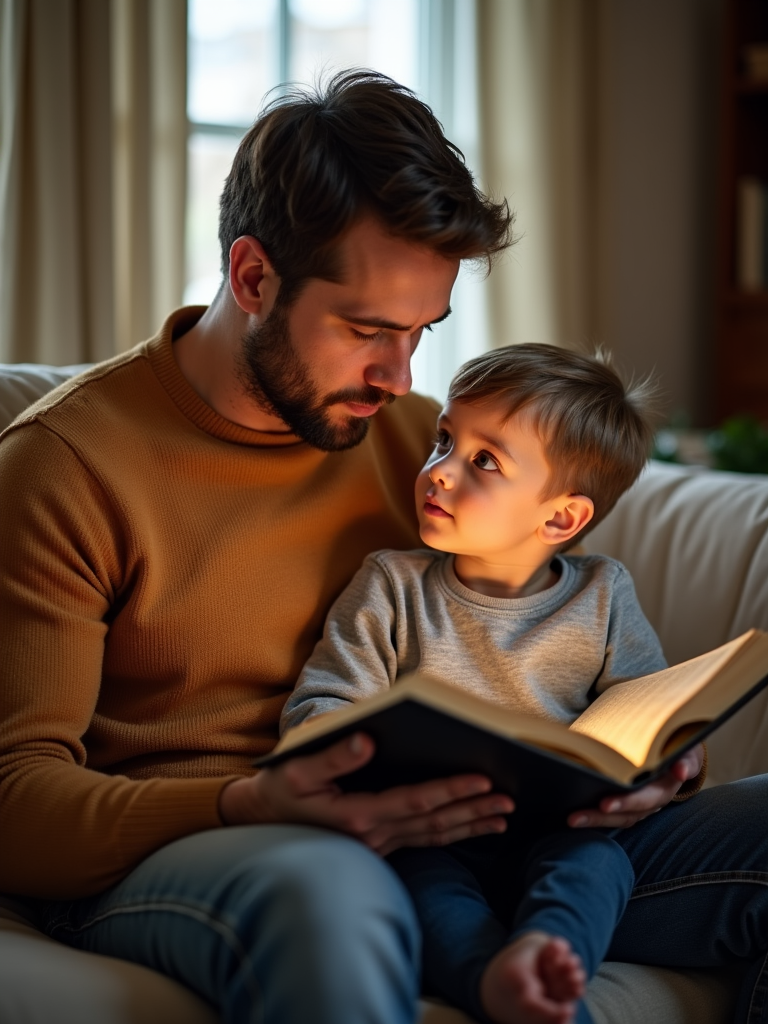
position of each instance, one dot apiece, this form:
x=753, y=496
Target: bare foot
x=536, y=980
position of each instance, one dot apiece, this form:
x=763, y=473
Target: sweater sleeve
x=632, y=647
x=356, y=656
x=67, y=830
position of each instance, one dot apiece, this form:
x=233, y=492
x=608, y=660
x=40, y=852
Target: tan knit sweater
x=164, y=573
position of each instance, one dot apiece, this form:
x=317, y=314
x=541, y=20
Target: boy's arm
x=633, y=650
x=356, y=657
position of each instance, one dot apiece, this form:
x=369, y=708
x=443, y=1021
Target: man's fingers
x=313, y=773
x=428, y=807
x=429, y=812
x=467, y=817
x=596, y=819
x=426, y=797
x=480, y=827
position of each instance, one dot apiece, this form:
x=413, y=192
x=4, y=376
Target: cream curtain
x=92, y=174
x=539, y=108
x=599, y=123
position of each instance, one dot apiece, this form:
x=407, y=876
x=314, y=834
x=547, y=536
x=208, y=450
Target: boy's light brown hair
x=597, y=431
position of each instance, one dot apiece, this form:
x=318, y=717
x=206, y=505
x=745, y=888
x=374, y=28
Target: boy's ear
x=572, y=515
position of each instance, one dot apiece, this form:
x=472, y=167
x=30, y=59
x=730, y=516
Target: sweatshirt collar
x=552, y=597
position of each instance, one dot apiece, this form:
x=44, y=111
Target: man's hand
x=304, y=791
x=624, y=811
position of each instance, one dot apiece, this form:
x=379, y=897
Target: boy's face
x=479, y=493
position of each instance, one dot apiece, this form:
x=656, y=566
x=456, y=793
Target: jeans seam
x=688, y=881
x=203, y=916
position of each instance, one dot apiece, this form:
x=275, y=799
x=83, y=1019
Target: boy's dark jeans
x=695, y=876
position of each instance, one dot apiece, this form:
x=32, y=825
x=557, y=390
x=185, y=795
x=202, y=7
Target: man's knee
x=318, y=877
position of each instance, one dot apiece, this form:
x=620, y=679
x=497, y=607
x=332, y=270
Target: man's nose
x=391, y=369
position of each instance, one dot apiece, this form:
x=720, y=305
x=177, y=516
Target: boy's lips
x=431, y=508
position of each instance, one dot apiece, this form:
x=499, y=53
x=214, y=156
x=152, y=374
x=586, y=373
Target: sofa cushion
x=42, y=982
x=696, y=544
x=630, y=994
x=21, y=384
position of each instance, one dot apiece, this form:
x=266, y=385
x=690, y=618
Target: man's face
x=342, y=350
x=479, y=493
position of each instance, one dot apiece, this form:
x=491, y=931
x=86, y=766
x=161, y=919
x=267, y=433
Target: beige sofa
x=697, y=545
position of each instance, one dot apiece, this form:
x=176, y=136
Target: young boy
x=535, y=445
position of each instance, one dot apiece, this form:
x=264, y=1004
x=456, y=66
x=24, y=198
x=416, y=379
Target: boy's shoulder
x=598, y=569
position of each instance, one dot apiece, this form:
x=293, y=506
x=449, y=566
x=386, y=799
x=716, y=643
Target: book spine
x=750, y=215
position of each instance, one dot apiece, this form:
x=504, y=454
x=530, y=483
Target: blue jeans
x=699, y=899
x=278, y=924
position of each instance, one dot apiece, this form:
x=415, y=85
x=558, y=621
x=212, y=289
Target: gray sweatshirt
x=549, y=654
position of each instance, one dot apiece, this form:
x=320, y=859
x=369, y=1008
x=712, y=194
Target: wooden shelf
x=739, y=369
x=750, y=87
x=747, y=300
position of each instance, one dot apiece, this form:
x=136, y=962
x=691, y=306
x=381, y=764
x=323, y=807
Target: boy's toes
x=561, y=971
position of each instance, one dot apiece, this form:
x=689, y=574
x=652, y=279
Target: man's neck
x=208, y=356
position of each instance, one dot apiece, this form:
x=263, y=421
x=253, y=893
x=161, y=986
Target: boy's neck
x=505, y=581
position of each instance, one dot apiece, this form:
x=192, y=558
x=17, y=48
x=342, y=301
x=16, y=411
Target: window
x=239, y=50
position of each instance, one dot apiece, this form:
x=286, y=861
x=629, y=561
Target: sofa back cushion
x=696, y=543
x=21, y=384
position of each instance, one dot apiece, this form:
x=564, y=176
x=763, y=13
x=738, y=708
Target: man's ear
x=572, y=515
x=252, y=277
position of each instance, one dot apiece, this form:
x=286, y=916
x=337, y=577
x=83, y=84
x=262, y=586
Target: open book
x=425, y=728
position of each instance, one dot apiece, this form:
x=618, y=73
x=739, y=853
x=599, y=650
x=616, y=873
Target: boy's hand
x=304, y=791
x=625, y=810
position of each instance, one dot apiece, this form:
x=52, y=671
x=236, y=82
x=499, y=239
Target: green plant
x=740, y=445
x=666, y=447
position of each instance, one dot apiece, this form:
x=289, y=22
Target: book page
x=629, y=715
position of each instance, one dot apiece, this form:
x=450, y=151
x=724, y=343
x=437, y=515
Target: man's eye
x=485, y=461
x=365, y=337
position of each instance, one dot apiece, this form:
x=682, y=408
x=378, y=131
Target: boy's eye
x=485, y=461
x=443, y=439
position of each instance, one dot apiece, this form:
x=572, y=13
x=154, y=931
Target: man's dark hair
x=316, y=161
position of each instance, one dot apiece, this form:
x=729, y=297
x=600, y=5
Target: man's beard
x=273, y=374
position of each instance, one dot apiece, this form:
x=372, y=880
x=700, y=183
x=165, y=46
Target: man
x=177, y=521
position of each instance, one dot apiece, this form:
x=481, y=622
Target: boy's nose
x=440, y=473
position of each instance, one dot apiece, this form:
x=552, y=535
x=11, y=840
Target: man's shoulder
x=86, y=397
